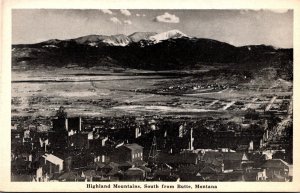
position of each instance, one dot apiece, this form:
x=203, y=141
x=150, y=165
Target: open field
x=87, y=92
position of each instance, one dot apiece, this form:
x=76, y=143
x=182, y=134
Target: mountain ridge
x=133, y=38
x=169, y=51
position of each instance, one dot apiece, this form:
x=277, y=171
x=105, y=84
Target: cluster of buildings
x=71, y=151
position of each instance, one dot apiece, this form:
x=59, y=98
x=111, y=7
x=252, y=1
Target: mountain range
x=148, y=50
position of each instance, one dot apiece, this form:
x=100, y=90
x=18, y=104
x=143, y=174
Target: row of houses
x=186, y=166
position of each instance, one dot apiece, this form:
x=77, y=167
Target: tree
x=60, y=113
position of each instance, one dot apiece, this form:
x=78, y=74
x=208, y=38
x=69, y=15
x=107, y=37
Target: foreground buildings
x=150, y=149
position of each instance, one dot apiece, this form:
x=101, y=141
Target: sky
x=236, y=27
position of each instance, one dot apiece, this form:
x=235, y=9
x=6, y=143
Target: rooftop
x=208, y=170
x=215, y=158
x=275, y=163
x=53, y=159
x=133, y=146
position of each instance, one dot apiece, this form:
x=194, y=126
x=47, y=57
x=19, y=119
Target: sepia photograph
x=108, y=98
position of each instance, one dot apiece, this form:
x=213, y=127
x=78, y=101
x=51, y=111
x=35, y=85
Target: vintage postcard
x=149, y=96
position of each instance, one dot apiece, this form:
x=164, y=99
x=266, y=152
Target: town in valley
x=151, y=107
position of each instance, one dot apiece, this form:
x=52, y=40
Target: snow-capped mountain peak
x=172, y=34
x=143, y=38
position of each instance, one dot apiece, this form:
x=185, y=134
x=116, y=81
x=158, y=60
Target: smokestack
x=79, y=123
x=66, y=124
x=191, y=140
x=250, y=149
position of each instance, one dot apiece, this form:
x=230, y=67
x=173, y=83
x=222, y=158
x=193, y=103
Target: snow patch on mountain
x=116, y=43
x=138, y=36
x=93, y=44
x=172, y=34
x=50, y=46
